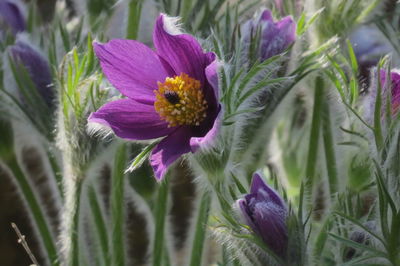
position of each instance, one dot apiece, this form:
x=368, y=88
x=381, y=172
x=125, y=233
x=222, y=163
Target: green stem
x=75, y=199
x=117, y=207
x=314, y=138
x=330, y=156
x=135, y=8
x=99, y=223
x=35, y=210
x=394, y=240
x=160, y=216
x=57, y=173
x=201, y=228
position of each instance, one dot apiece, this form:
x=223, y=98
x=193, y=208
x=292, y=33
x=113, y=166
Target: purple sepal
x=265, y=212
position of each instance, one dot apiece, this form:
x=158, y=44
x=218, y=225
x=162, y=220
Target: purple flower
x=275, y=36
x=11, y=17
x=25, y=55
x=265, y=212
x=171, y=92
x=369, y=45
x=394, y=89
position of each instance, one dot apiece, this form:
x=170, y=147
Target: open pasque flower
x=265, y=212
x=275, y=37
x=171, y=92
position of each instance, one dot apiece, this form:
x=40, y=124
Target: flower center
x=180, y=101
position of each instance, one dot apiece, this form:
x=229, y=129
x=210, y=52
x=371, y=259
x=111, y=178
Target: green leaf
x=35, y=210
x=356, y=222
x=356, y=245
x=353, y=59
x=64, y=36
x=141, y=157
x=377, y=113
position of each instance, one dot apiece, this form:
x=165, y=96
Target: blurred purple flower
x=369, y=45
x=25, y=55
x=171, y=92
x=265, y=212
x=394, y=89
x=11, y=17
x=275, y=36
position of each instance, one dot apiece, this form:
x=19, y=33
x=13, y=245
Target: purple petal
x=37, y=67
x=168, y=151
x=246, y=213
x=276, y=37
x=131, y=120
x=287, y=27
x=270, y=220
x=212, y=75
x=266, y=16
x=133, y=68
x=181, y=51
x=210, y=128
x=264, y=192
x=395, y=91
x=11, y=15
x=208, y=139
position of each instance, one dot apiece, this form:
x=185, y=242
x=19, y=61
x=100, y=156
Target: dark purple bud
x=275, y=36
x=25, y=55
x=11, y=17
x=369, y=45
x=361, y=237
x=265, y=212
x=393, y=88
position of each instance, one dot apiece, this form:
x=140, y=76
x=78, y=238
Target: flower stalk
x=117, y=207
x=201, y=229
x=161, y=211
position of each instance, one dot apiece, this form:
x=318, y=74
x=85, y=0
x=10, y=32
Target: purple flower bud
x=11, y=17
x=37, y=67
x=369, y=45
x=275, y=36
x=394, y=89
x=360, y=236
x=265, y=212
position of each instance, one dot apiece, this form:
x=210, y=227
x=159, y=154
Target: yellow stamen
x=180, y=101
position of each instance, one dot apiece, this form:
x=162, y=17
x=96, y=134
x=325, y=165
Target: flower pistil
x=180, y=101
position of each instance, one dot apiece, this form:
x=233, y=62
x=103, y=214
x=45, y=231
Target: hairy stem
x=160, y=215
x=201, y=228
